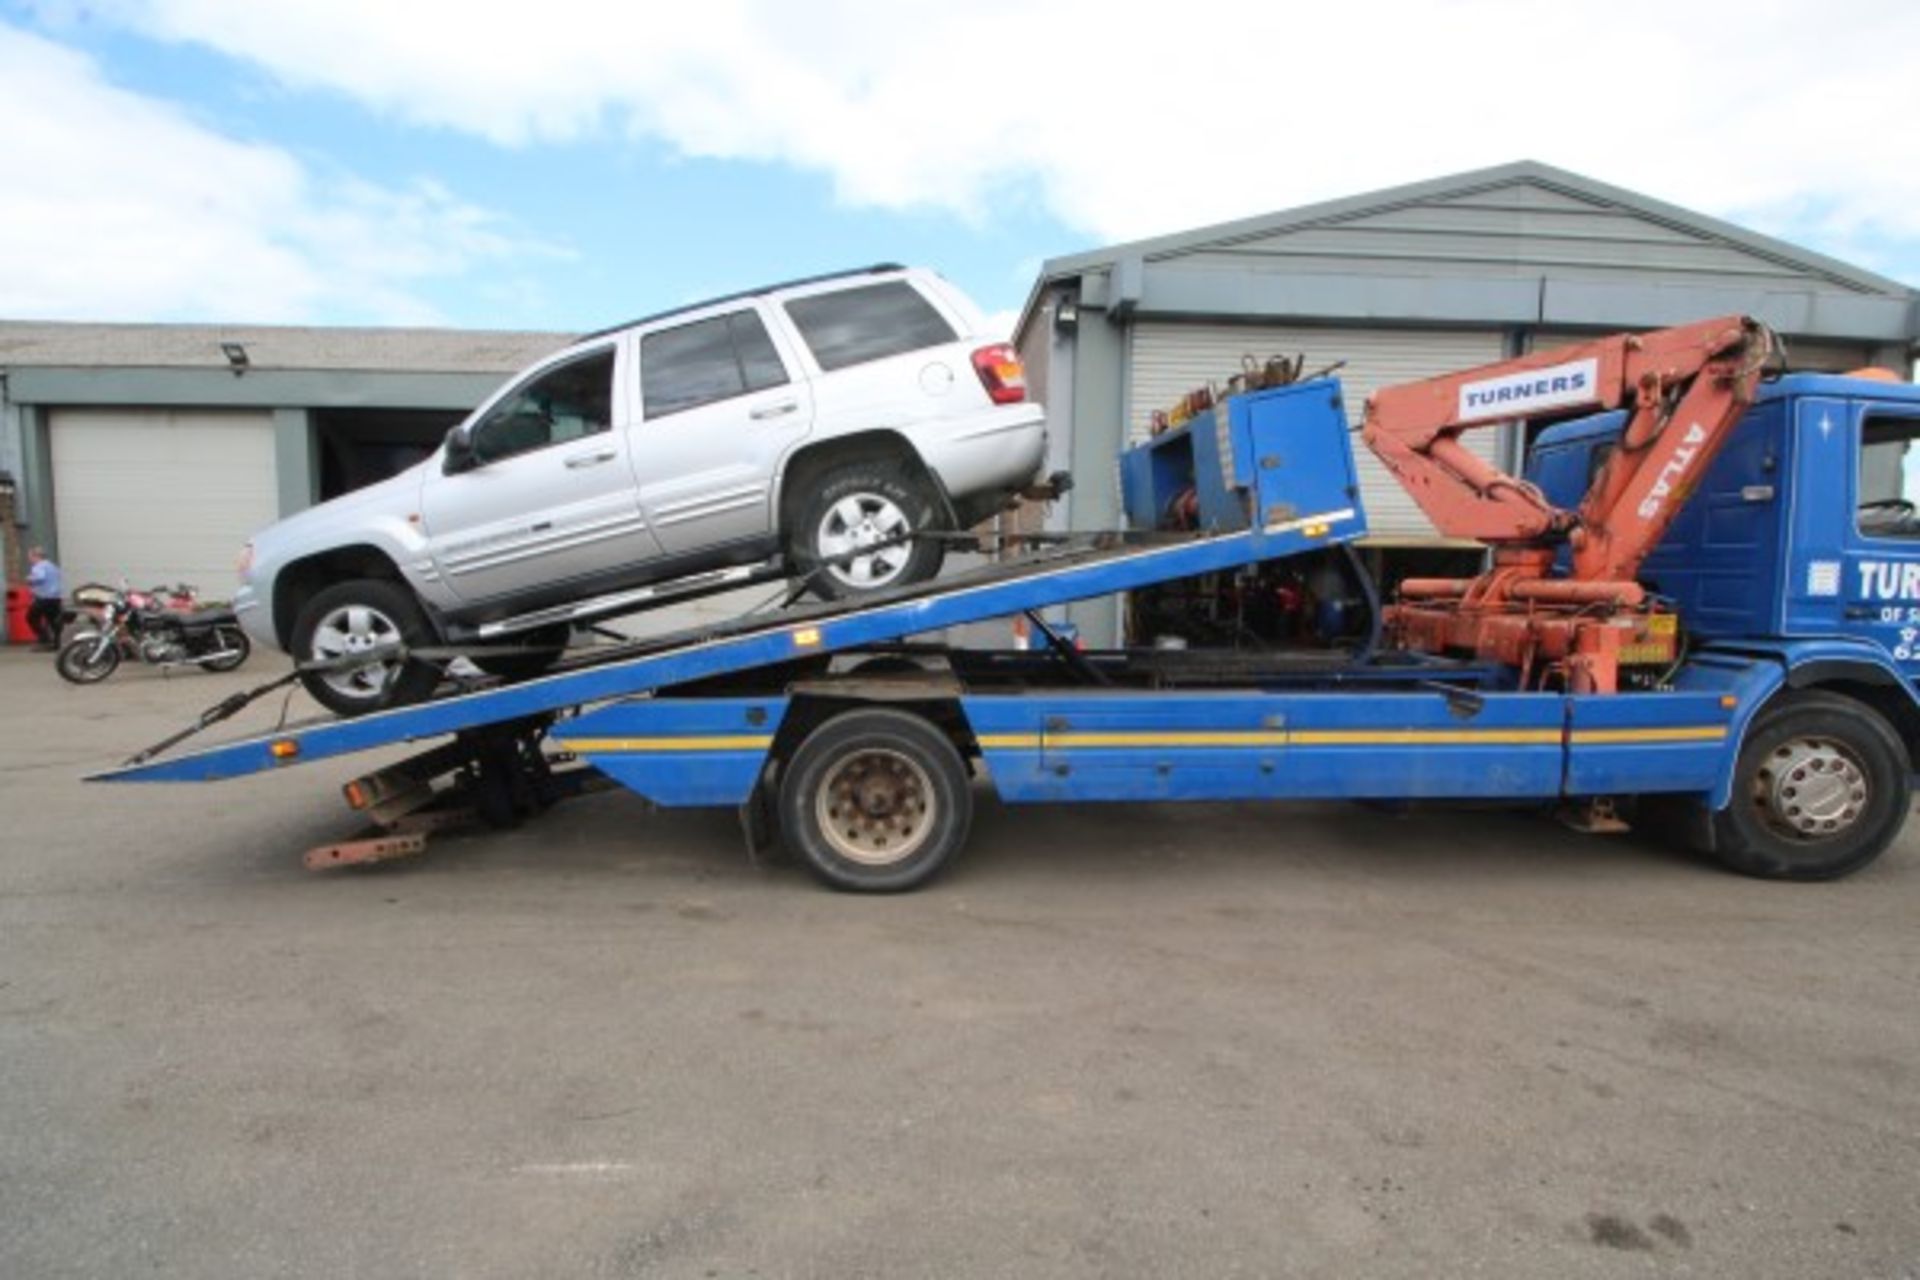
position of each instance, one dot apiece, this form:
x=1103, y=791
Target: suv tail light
x=1001, y=373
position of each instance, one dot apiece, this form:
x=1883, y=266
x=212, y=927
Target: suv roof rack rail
x=877, y=268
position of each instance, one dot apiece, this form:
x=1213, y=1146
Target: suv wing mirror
x=460, y=456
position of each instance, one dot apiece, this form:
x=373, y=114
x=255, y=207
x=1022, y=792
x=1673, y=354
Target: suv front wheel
x=363, y=619
x=850, y=508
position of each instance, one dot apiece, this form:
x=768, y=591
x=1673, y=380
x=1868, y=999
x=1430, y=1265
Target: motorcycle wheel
x=81, y=664
x=229, y=638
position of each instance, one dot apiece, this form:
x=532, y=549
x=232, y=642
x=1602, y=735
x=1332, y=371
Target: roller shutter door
x=1171, y=359
x=160, y=496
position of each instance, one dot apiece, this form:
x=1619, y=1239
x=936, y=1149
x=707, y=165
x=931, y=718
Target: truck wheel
x=1820, y=790
x=363, y=617
x=854, y=506
x=875, y=801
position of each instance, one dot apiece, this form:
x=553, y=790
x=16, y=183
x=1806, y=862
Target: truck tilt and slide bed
x=833, y=729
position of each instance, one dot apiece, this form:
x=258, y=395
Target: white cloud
x=121, y=207
x=1127, y=120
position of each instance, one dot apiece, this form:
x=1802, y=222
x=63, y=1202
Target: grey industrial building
x=1408, y=282
x=151, y=451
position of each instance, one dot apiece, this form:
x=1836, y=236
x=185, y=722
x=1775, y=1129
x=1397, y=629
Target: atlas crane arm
x=1684, y=389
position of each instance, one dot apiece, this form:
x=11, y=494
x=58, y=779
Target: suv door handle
x=774, y=410
x=580, y=460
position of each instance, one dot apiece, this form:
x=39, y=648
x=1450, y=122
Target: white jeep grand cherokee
x=800, y=429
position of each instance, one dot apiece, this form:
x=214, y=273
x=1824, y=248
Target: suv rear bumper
x=993, y=454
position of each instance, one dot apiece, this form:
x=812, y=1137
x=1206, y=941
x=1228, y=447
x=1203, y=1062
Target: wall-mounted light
x=7, y=485
x=1066, y=314
x=236, y=357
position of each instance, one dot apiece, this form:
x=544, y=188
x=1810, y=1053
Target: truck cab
x=1805, y=527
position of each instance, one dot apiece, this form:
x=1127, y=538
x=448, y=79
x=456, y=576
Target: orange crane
x=1684, y=390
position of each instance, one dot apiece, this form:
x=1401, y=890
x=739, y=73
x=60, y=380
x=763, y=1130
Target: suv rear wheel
x=363, y=617
x=873, y=503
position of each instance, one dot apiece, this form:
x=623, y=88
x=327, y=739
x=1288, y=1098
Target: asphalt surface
x=1205, y=1041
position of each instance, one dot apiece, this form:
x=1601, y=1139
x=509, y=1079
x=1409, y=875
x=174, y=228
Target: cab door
x=721, y=404
x=1880, y=576
x=546, y=496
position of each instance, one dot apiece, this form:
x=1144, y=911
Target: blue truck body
x=1770, y=562
x=1778, y=588
x=1770, y=544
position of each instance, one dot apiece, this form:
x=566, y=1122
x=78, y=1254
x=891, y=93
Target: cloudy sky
x=567, y=164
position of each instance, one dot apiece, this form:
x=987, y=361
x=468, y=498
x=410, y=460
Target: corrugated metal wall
x=1170, y=359
x=1517, y=231
x=1802, y=357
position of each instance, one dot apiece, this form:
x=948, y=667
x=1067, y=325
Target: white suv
x=805, y=428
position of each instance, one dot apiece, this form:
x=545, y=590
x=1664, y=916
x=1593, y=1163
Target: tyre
x=363, y=617
x=1820, y=790
x=875, y=801
x=233, y=640
x=525, y=666
x=86, y=659
x=857, y=505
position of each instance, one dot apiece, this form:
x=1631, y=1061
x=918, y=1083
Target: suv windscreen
x=706, y=362
x=852, y=326
x=563, y=403
x=1889, y=480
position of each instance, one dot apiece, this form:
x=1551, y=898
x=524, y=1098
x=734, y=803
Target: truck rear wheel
x=875, y=801
x=1821, y=788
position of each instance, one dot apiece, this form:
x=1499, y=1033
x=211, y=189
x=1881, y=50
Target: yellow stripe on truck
x=710, y=742
x=1680, y=733
x=1208, y=738
x=1351, y=738
x=1425, y=737
x=1171, y=738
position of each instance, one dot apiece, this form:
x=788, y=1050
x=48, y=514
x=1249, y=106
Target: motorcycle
x=163, y=628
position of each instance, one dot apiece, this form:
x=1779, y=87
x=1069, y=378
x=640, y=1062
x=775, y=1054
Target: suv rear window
x=853, y=326
x=707, y=361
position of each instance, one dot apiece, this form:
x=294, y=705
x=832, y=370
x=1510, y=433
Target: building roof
x=1511, y=225
x=58, y=344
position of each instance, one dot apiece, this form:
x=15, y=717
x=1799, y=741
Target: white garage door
x=160, y=496
x=1170, y=360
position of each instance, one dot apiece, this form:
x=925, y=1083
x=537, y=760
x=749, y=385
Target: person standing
x=43, y=615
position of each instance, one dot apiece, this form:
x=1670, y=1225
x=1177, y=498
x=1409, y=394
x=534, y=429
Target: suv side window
x=561, y=404
x=1888, y=486
x=707, y=361
x=853, y=326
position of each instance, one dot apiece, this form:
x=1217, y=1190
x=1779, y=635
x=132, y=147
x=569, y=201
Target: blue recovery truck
x=1781, y=737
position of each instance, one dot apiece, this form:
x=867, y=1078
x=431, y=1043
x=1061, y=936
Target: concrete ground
x=1210, y=1041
